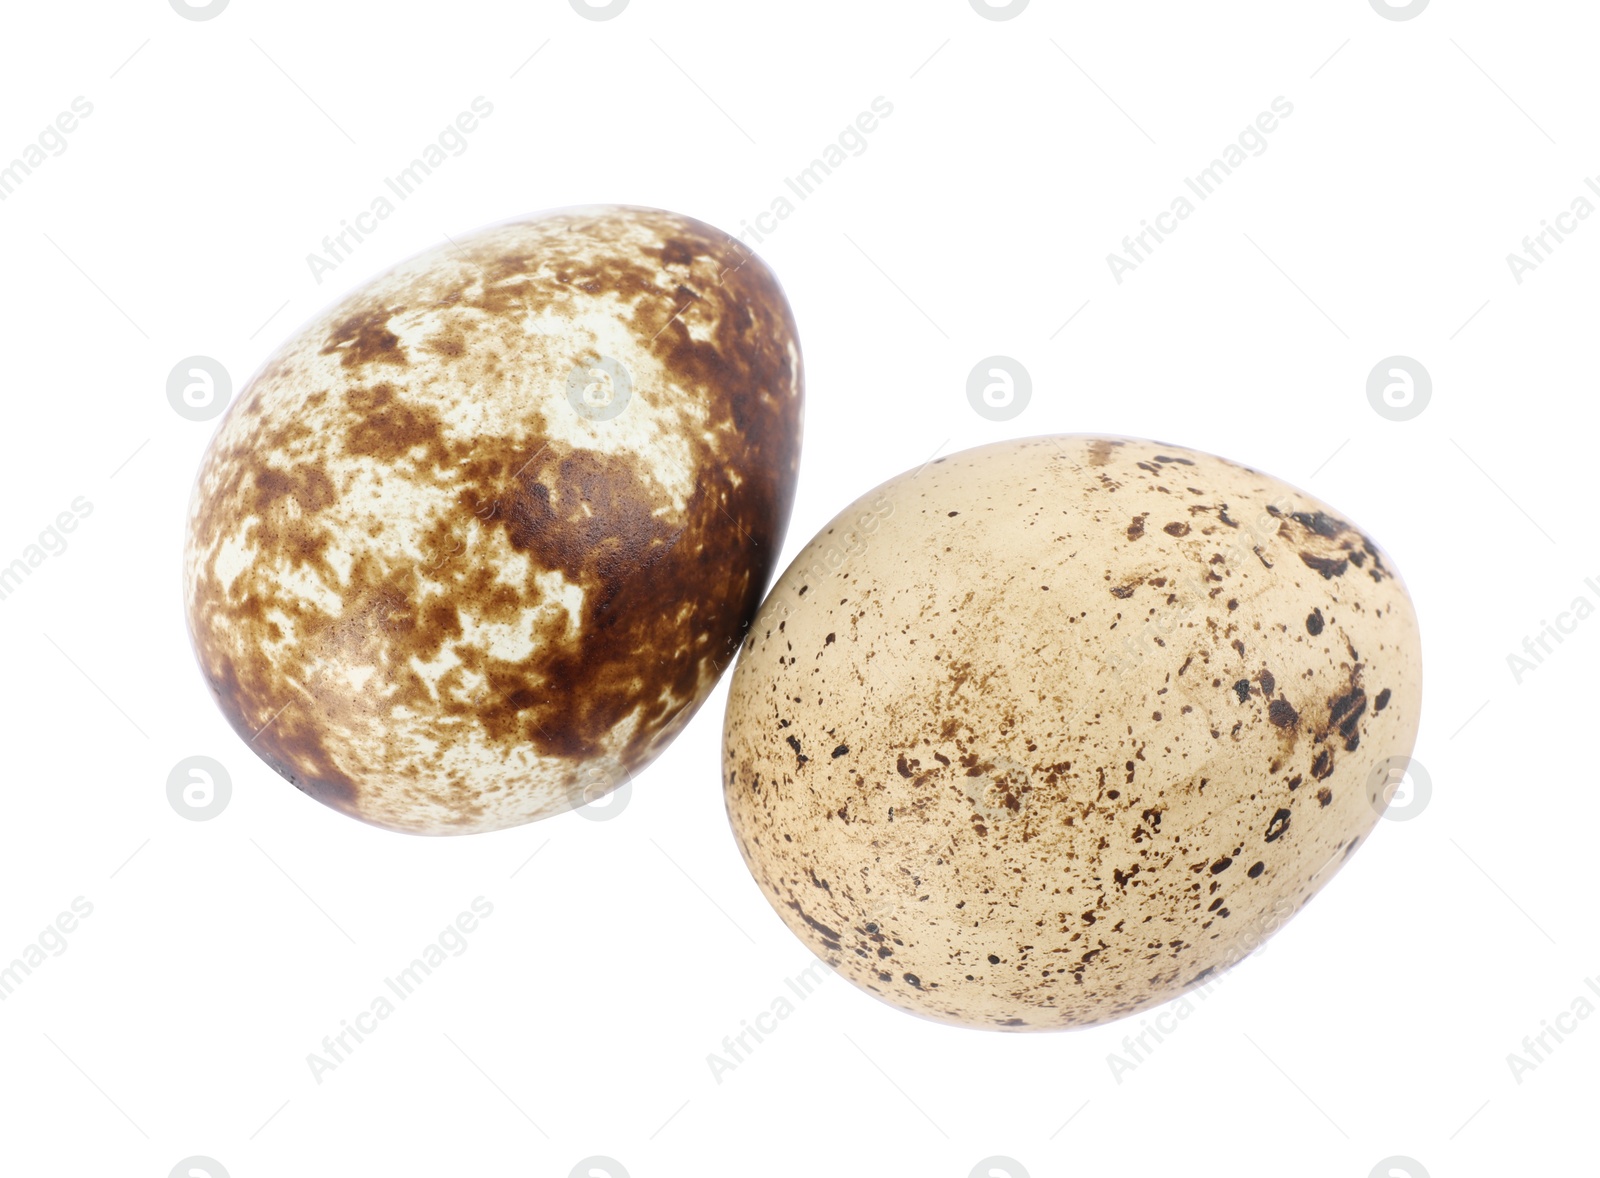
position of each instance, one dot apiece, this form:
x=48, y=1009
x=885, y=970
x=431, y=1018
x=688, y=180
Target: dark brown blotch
x=364, y=338
x=1326, y=565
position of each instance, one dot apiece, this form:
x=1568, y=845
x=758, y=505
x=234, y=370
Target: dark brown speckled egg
x=474, y=545
x=1047, y=732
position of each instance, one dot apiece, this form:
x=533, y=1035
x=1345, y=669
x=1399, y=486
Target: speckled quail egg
x=475, y=543
x=1049, y=731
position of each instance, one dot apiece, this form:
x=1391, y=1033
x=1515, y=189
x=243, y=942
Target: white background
x=177, y=222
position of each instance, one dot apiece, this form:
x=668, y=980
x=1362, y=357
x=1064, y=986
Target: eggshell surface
x=474, y=544
x=1050, y=731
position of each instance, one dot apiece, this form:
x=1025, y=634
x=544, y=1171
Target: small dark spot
x=914, y=980
x=1281, y=712
x=841, y=750
x=1136, y=528
x=1256, y=870
x=794, y=743
x=1242, y=690
x=1279, y=824
x=1346, y=711
x=1314, y=622
x=1382, y=701
x=827, y=933
x=993, y=960
x=1320, y=523
x=904, y=769
x=1326, y=565
x=1325, y=796
x=828, y=641
x=1221, y=865
x=1233, y=604
x=1176, y=529
x=1323, y=765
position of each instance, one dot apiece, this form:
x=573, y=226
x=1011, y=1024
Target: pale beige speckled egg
x=475, y=543
x=1049, y=731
